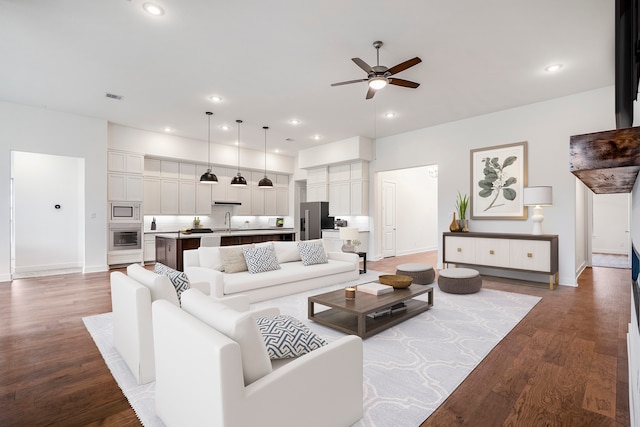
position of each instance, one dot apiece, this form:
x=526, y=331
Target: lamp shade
x=538, y=196
x=349, y=233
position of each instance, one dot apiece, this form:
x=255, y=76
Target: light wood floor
x=565, y=364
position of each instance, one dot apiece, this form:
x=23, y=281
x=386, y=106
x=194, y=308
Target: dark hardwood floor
x=565, y=364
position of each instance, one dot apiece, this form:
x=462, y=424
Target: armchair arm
x=214, y=278
x=328, y=378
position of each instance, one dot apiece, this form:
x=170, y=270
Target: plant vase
x=463, y=225
x=454, y=224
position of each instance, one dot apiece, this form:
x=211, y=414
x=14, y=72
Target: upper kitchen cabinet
x=124, y=180
x=270, y=201
x=318, y=184
x=120, y=161
x=348, y=189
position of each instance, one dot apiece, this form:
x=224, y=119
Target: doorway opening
x=610, y=236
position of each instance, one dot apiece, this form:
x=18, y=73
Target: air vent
x=114, y=96
x=290, y=139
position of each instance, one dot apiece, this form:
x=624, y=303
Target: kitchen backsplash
x=215, y=220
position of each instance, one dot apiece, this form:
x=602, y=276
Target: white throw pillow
x=312, y=253
x=261, y=259
x=286, y=337
x=285, y=251
x=233, y=258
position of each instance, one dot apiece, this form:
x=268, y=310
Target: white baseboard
x=95, y=268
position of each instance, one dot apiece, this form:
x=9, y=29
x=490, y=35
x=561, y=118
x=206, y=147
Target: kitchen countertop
x=222, y=232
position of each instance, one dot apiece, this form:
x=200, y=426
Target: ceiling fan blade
x=404, y=83
x=404, y=65
x=349, y=82
x=360, y=63
x=370, y=93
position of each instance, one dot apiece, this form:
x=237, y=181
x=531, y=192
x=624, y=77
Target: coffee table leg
x=310, y=308
x=362, y=325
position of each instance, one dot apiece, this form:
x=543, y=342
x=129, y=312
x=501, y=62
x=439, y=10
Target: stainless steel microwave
x=124, y=211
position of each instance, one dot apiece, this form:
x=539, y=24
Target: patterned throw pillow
x=179, y=279
x=233, y=259
x=312, y=253
x=261, y=259
x=287, y=337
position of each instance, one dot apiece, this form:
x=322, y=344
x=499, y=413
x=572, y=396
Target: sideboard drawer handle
x=459, y=249
x=491, y=251
x=529, y=255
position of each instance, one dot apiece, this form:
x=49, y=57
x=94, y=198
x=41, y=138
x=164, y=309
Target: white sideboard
x=519, y=252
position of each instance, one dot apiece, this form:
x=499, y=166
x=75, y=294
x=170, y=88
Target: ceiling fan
x=379, y=75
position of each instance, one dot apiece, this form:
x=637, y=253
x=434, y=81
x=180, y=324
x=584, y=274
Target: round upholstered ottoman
x=459, y=280
x=422, y=274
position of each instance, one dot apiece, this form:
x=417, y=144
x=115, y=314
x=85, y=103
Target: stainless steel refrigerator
x=314, y=217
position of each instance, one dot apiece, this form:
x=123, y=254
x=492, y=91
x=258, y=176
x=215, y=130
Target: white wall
x=416, y=209
x=547, y=126
x=47, y=238
x=39, y=130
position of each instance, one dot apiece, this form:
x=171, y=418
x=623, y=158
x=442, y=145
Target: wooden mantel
x=606, y=162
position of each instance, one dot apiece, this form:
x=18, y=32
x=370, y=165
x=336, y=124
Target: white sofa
x=204, y=265
x=203, y=353
x=131, y=298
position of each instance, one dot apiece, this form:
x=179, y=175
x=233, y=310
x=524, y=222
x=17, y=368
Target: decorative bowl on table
x=398, y=281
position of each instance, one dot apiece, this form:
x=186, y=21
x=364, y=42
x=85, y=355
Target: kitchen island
x=169, y=246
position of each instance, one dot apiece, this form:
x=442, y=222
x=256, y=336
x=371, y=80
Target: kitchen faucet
x=227, y=214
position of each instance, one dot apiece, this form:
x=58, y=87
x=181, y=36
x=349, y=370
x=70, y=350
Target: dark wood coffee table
x=353, y=317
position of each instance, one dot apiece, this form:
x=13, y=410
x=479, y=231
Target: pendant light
x=238, y=180
x=208, y=177
x=265, y=182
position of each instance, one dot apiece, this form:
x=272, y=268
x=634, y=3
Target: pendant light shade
x=208, y=177
x=238, y=180
x=265, y=182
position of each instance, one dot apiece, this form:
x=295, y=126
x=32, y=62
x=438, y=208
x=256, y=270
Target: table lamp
x=538, y=197
x=349, y=234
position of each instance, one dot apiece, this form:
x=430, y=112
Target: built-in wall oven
x=125, y=236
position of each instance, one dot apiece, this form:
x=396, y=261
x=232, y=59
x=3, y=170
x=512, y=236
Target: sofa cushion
x=209, y=257
x=238, y=326
x=178, y=279
x=289, y=272
x=312, y=253
x=260, y=259
x=233, y=259
x=285, y=251
x=286, y=337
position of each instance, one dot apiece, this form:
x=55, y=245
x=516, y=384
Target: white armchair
x=131, y=297
x=202, y=364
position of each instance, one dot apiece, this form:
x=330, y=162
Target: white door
x=388, y=219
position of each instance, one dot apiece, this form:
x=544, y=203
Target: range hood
x=225, y=203
x=606, y=162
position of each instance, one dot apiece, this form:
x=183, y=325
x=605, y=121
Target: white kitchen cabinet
x=119, y=161
x=152, y=196
x=317, y=175
x=187, y=197
x=124, y=187
x=282, y=181
x=522, y=252
x=339, y=173
x=169, y=169
x=151, y=167
x=220, y=191
x=169, y=197
x=187, y=171
x=282, y=201
x=339, y=198
x=359, y=198
x=149, y=247
x=203, y=198
x=317, y=192
x=243, y=195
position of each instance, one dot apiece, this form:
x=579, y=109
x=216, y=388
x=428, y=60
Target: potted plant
x=462, y=203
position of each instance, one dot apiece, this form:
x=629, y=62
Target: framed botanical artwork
x=498, y=177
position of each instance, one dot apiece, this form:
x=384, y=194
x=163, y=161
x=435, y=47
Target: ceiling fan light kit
x=379, y=75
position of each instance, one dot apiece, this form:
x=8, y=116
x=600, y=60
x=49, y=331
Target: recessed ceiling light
x=215, y=98
x=237, y=143
x=167, y=129
x=390, y=115
x=553, y=68
x=316, y=137
x=153, y=9
x=294, y=121
x=277, y=150
x=225, y=127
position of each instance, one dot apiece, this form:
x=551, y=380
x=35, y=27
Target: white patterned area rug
x=409, y=369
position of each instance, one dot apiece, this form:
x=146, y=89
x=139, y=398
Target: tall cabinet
x=124, y=178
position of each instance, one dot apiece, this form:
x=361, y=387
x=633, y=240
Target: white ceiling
x=272, y=61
